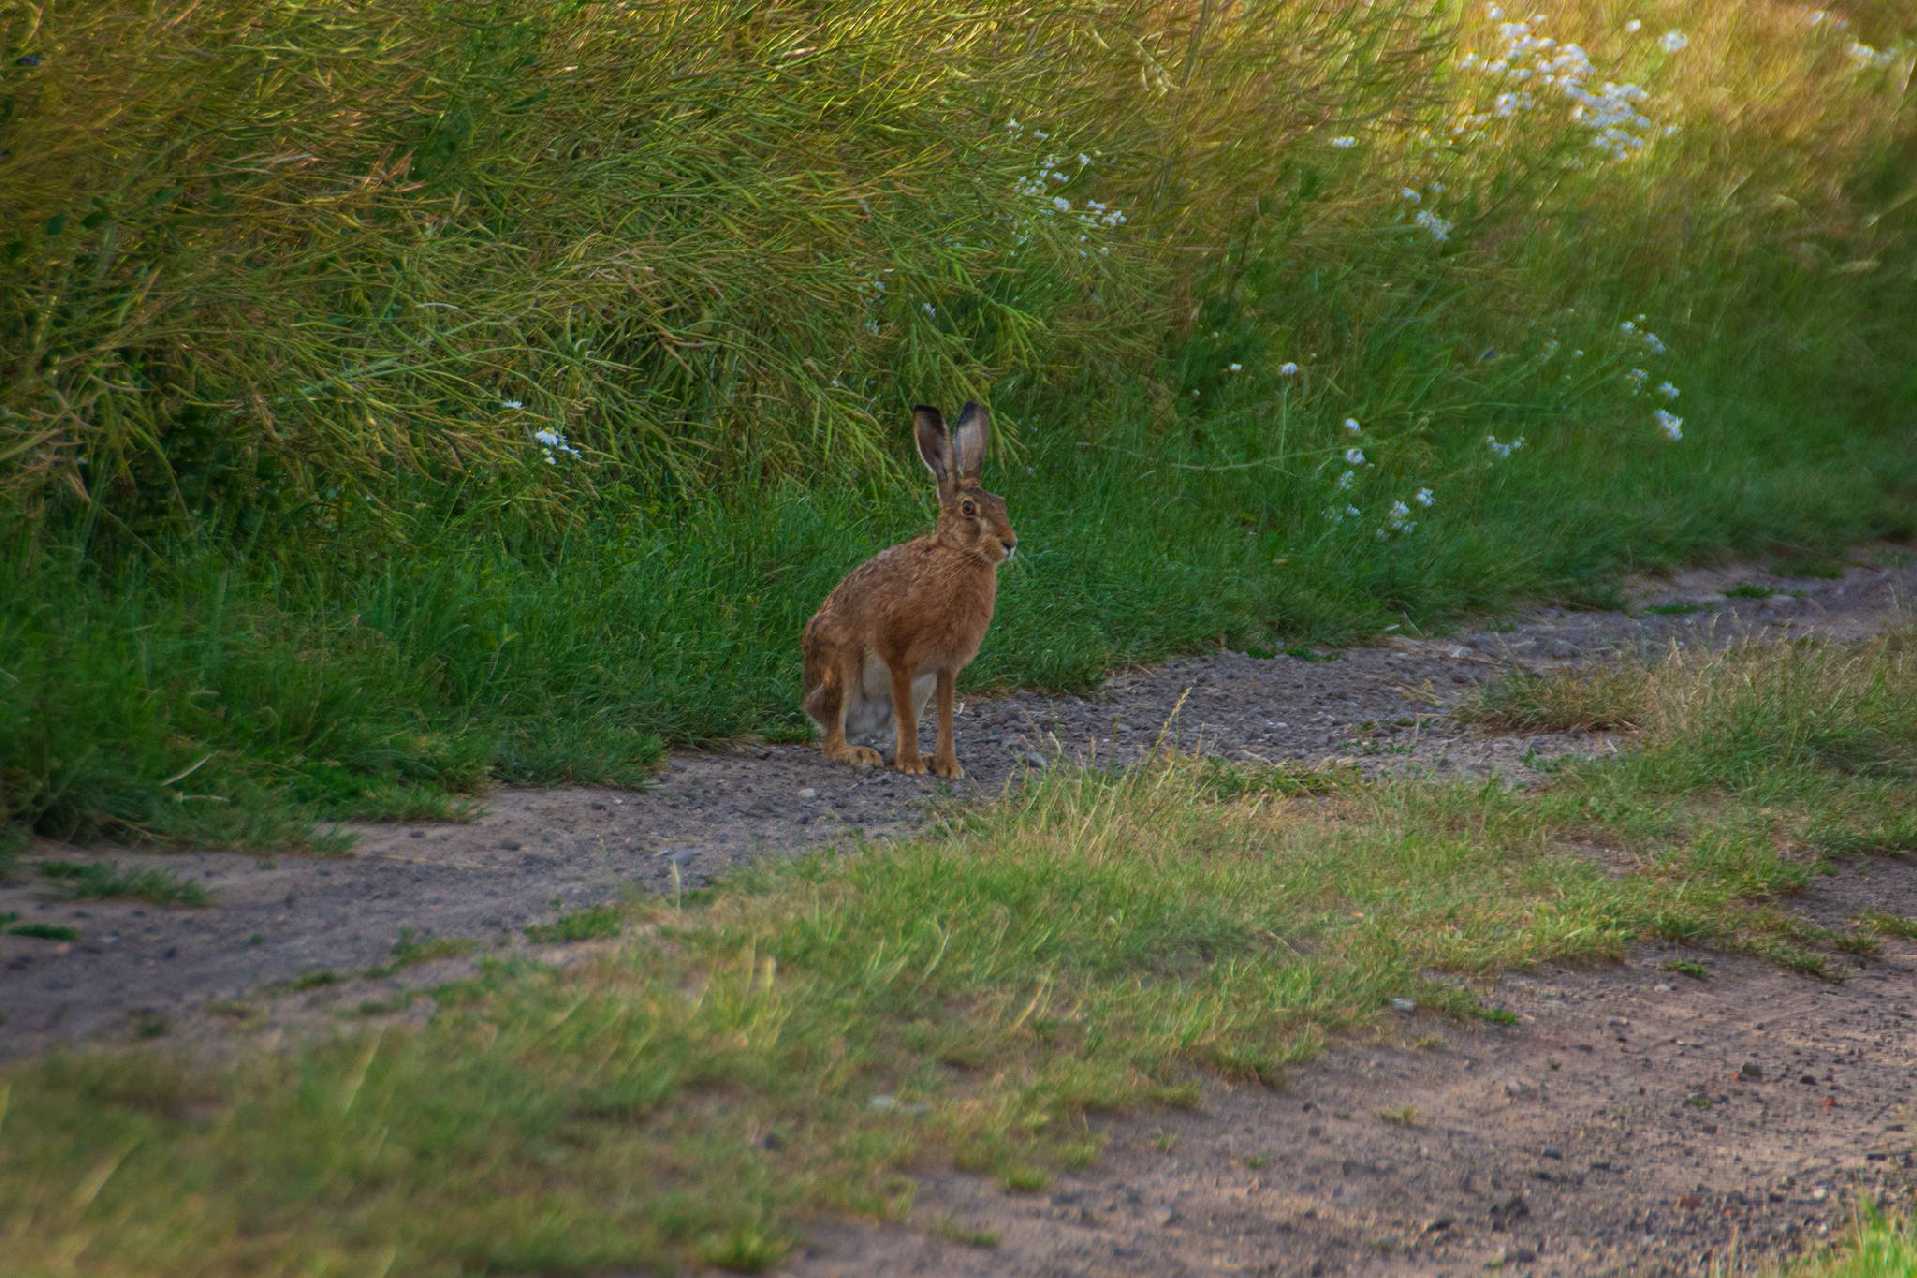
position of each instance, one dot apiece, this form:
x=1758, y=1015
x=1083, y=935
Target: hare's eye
x=968, y=509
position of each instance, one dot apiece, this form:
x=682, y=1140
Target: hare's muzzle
x=1011, y=547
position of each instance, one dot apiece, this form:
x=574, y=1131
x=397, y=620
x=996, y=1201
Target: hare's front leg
x=945, y=758
x=905, y=756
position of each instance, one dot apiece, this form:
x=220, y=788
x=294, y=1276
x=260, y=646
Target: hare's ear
x=935, y=446
x=970, y=438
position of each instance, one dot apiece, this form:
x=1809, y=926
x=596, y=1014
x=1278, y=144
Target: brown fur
x=916, y=612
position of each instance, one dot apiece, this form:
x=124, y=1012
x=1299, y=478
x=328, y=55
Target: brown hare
x=911, y=617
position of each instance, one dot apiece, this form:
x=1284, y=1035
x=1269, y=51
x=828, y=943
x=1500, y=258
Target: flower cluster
x=1438, y=228
x=1398, y=518
x=553, y=442
x=1504, y=450
x=1866, y=55
x=1670, y=423
x=1092, y=216
x=1609, y=112
x=1652, y=342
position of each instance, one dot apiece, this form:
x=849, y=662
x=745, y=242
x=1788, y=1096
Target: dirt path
x=1633, y=1121
x=536, y=854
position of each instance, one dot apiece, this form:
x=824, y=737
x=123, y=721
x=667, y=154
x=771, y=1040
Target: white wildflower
x=1504, y=450
x=1671, y=424
x=1344, y=143
x=1347, y=479
x=1287, y=369
x=1354, y=457
x=1634, y=26
x=1439, y=228
x=1655, y=343
x=1351, y=424
x=1674, y=40
x=513, y=404
x=1235, y=368
x=1062, y=204
x=1424, y=497
x=1667, y=390
x=1411, y=195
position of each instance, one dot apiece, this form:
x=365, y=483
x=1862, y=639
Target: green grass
x=1876, y=1245
x=44, y=931
x=804, y=1037
x=408, y=951
x=598, y=923
x=100, y=881
x=279, y=551
x=1884, y=924
x=1600, y=699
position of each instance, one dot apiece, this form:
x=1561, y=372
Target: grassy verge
x=514, y=431
x=1876, y=1247
x=803, y=1038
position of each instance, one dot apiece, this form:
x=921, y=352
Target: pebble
x=1404, y=1005
x=808, y=793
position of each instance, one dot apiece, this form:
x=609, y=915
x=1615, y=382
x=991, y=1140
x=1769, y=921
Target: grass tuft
x=100, y=881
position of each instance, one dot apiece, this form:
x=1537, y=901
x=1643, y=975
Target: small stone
x=1552, y=1152
x=1819, y=1194
x=1751, y=1072
x=1660, y=988
x=1034, y=758
x=1437, y=1225
x=808, y=793
x=1404, y=1005
x=511, y=845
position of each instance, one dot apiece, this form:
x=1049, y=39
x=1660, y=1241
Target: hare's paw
x=857, y=756
x=910, y=765
x=948, y=768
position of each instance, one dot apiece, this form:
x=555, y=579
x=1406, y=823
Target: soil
x=1609, y=1131
x=1633, y=1121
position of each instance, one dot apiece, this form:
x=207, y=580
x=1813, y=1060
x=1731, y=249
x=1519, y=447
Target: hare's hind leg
x=825, y=701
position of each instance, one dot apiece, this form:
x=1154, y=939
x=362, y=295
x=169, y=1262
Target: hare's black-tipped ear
x=935, y=446
x=970, y=438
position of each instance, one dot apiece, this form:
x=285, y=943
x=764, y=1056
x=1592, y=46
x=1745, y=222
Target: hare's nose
x=1011, y=547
